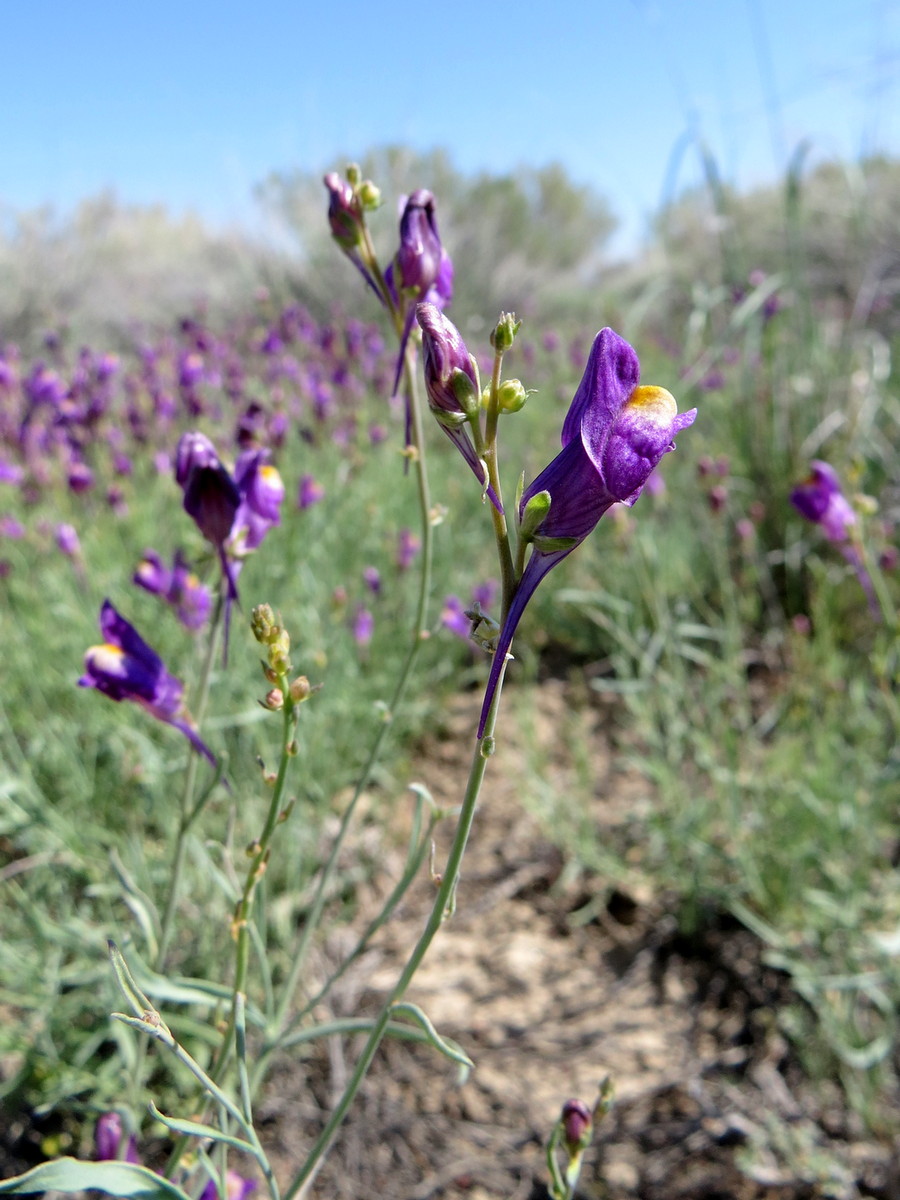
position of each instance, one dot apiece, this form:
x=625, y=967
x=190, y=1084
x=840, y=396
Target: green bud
x=369, y=195
x=511, y=395
x=504, y=333
x=262, y=622
x=534, y=515
x=354, y=174
x=279, y=653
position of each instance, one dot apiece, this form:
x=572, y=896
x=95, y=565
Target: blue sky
x=192, y=103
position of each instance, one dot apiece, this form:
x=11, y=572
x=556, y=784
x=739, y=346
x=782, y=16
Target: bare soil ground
x=710, y=1100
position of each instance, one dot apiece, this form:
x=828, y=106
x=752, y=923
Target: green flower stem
x=189, y=811
x=420, y=634
x=486, y=449
x=241, y=922
x=443, y=904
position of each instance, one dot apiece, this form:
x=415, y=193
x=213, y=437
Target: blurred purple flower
x=236, y=1188
x=820, y=499
x=309, y=492
x=11, y=527
x=179, y=588
x=67, y=540
x=80, y=476
x=372, y=579
x=453, y=617
x=10, y=472
x=614, y=434
x=124, y=667
x=408, y=546
x=108, y=1138
x=363, y=627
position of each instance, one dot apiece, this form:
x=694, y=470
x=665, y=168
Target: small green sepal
x=465, y=392
x=551, y=545
x=534, y=515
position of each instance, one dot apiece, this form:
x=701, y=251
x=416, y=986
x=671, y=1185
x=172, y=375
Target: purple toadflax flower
x=179, y=588
x=125, y=668
x=234, y=513
x=236, y=1188
x=614, y=434
x=821, y=500
x=422, y=267
x=451, y=383
x=108, y=1139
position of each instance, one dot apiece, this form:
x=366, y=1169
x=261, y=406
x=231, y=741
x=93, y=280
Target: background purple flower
x=124, y=667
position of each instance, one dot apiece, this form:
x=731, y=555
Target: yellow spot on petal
x=106, y=658
x=655, y=403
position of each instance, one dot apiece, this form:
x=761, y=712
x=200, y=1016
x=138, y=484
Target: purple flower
x=344, y=212
x=453, y=617
x=236, y=1188
x=345, y=217
x=108, y=1138
x=577, y=1121
x=363, y=627
x=262, y=491
x=179, y=588
x=614, y=434
x=11, y=527
x=309, y=492
x=421, y=271
x=372, y=579
x=125, y=668
x=234, y=513
x=211, y=496
x=422, y=265
x=67, y=540
x=408, y=546
x=821, y=500
x=452, y=386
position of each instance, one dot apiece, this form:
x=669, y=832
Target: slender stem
x=420, y=634
x=486, y=449
x=443, y=902
x=241, y=922
x=189, y=811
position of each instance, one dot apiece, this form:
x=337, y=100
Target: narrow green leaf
x=70, y=1175
x=198, y=1130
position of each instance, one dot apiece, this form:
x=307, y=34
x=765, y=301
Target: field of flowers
x=281, y=491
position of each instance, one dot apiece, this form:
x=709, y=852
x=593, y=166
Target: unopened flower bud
x=274, y=700
x=369, y=195
x=504, y=333
x=262, y=622
x=279, y=653
x=511, y=395
x=577, y=1125
x=301, y=689
x=344, y=212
